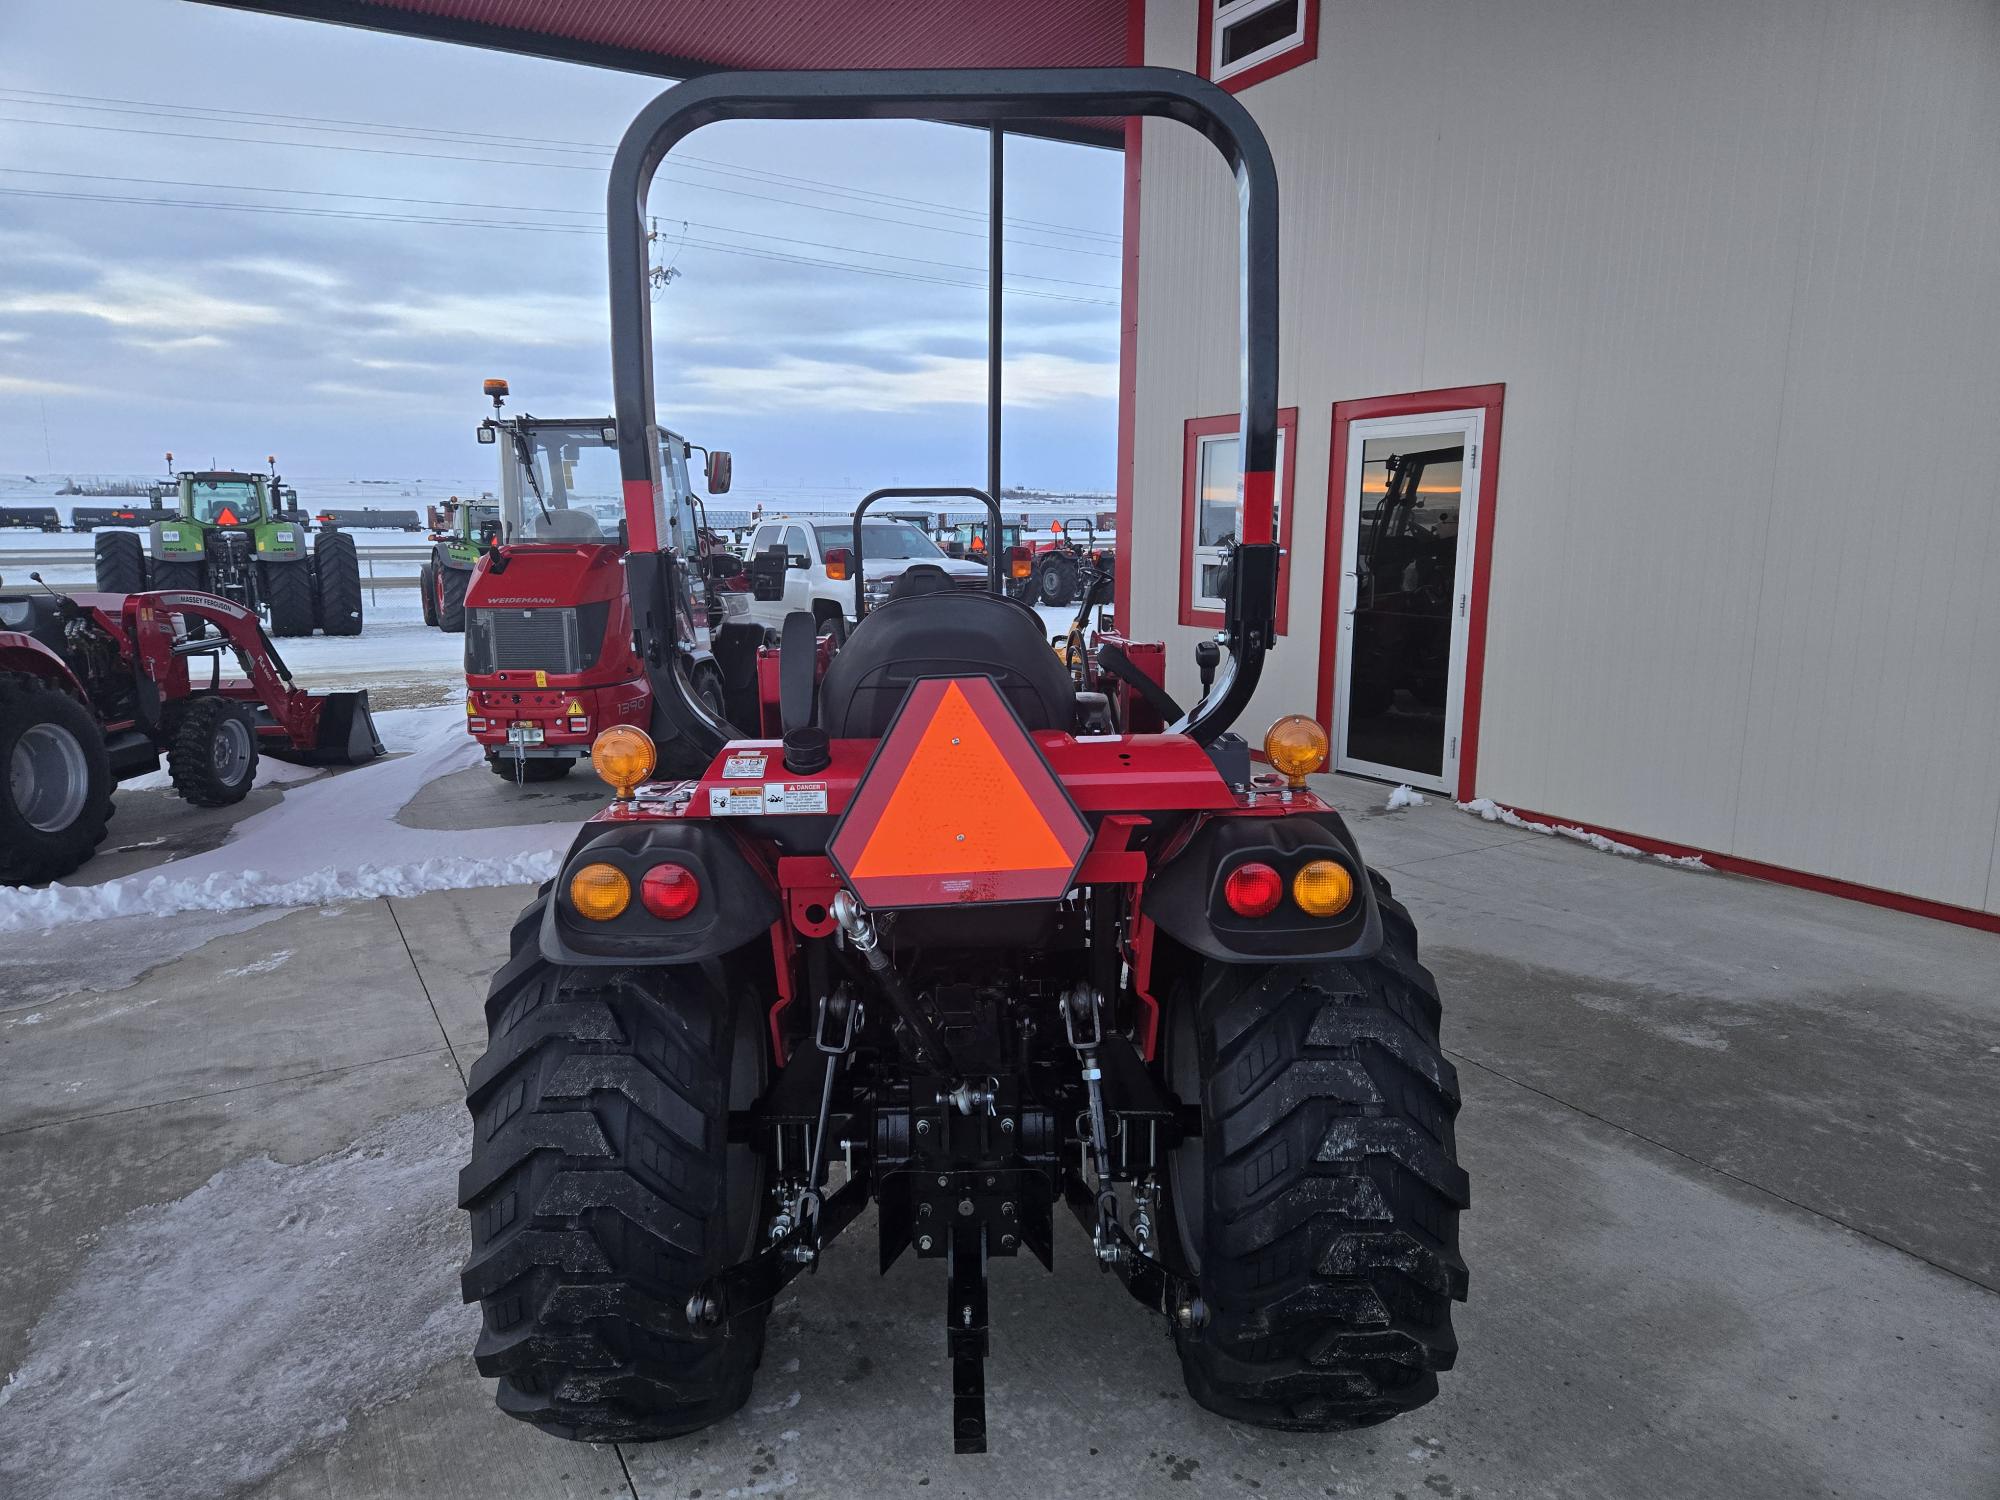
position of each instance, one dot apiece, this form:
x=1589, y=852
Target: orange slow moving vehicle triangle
x=226, y=517
x=966, y=818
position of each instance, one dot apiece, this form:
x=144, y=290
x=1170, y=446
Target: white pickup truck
x=888, y=548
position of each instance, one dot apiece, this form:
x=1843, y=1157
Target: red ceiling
x=678, y=38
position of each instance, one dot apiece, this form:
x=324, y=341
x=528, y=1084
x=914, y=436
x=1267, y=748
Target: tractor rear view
x=232, y=535
x=979, y=933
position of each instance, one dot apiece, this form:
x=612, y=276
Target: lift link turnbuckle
x=840, y=1017
x=920, y=1036
x=1083, y=1021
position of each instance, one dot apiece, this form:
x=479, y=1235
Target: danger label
x=744, y=766
x=795, y=796
x=735, y=801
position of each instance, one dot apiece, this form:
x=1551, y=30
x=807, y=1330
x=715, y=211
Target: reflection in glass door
x=1411, y=508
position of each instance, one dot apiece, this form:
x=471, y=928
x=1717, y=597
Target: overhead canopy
x=685, y=38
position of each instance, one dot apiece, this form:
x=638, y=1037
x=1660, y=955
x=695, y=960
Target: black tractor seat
x=928, y=628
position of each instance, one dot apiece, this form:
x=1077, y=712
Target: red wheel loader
x=95, y=688
x=978, y=934
x=550, y=657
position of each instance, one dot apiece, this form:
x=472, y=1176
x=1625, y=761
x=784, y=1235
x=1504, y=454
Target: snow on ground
x=1493, y=812
x=332, y=839
x=1405, y=796
x=205, y=1342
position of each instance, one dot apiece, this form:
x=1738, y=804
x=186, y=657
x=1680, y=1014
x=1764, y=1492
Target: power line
x=264, y=120
x=559, y=165
x=591, y=228
x=750, y=252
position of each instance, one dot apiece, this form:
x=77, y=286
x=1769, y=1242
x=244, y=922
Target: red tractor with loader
x=95, y=688
x=976, y=932
x=550, y=657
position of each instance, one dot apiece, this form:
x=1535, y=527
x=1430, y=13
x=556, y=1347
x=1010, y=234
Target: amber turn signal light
x=1322, y=888
x=1296, y=747
x=622, y=757
x=600, y=892
x=1020, y=562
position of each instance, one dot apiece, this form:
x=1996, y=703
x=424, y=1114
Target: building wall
x=1737, y=263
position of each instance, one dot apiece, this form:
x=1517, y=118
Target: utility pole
x=996, y=202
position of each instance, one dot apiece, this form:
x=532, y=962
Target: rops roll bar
x=972, y=95
x=922, y=491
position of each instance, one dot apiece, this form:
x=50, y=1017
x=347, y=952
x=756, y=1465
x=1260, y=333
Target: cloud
x=137, y=299
x=181, y=345
x=926, y=380
x=540, y=319
x=21, y=385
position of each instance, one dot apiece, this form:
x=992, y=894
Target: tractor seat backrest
x=942, y=633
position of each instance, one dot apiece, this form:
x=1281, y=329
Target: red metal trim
x=781, y=964
x=1195, y=429
x=1489, y=399
x=1142, y=984
x=1284, y=62
x=1826, y=885
x=642, y=532
x=1128, y=330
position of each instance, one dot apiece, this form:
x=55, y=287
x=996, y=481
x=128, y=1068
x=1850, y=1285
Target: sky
x=442, y=221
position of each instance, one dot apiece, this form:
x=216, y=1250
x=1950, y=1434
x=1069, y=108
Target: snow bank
x=205, y=1342
x=1493, y=812
x=331, y=839
x=1405, y=796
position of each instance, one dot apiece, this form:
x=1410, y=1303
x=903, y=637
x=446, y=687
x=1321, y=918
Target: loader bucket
x=343, y=733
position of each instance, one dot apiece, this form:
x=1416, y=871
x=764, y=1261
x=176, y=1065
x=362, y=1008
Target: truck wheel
x=427, y=592
x=213, y=756
x=55, y=793
x=1055, y=580
x=831, y=620
x=121, y=562
x=451, y=584
x=288, y=589
x=1318, y=1210
x=603, y=1191
x=540, y=768
x=337, y=583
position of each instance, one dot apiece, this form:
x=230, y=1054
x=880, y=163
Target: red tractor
x=95, y=689
x=549, y=653
x=973, y=931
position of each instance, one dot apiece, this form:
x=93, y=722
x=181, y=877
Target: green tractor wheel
x=288, y=590
x=121, y=562
x=451, y=584
x=427, y=592
x=180, y=575
x=337, y=574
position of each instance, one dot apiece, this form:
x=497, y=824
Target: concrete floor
x=1733, y=1151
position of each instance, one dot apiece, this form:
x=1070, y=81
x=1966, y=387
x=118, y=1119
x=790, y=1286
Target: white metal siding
x=1738, y=266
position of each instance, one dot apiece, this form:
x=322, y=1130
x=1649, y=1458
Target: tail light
x=600, y=892
x=1323, y=888
x=838, y=561
x=1020, y=562
x=669, y=892
x=1253, y=890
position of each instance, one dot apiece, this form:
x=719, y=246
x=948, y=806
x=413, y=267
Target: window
x=895, y=540
x=766, y=538
x=796, y=554
x=1211, y=512
x=1247, y=41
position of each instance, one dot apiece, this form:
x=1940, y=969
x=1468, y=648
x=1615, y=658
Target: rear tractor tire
x=337, y=584
x=603, y=1192
x=1318, y=1210
x=213, y=755
x=1055, y=580
x=427, y=592
x=55, y=782
x=288, y=591
x=121, y=562
x=451, y=583
x=188, y=577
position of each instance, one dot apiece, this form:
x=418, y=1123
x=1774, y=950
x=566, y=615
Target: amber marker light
x=600, y=892
x=1296, y=747
x=1322, y=888
x=622, y=757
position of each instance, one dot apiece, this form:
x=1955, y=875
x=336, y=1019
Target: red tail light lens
x=670, y=892
x=1252, y=890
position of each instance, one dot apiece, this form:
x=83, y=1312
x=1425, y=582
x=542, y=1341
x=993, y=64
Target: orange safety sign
x=958, y=806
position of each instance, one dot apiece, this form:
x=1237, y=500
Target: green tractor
x=460, y=530
x=235, y=535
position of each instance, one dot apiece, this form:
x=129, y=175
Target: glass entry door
x=1411, y=512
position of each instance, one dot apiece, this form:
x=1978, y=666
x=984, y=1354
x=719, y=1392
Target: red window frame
x=1489, y=399
x=1198, y=428
x=1271, y=67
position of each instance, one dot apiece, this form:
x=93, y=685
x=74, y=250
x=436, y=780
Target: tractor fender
x=734, y=907
x=1184, y=897
x=20, y=652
